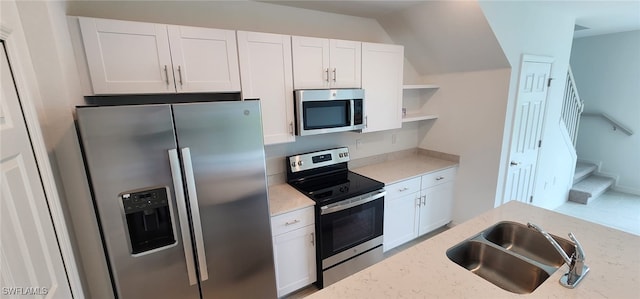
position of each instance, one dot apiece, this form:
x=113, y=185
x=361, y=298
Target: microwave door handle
x=176, y=175
x=195, y=213
x=352, y=112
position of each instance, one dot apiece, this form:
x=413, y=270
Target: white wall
x=534, y=27
x=607, y=73
x=50, y=46
x=471, y=108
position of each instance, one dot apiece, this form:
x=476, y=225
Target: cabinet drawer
x=438, y=177
x=402, y=188
x=293, y=220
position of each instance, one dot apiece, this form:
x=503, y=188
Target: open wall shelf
x=414, y=98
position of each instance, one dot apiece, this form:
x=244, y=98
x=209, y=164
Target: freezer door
x=221, y=144
x=126, y=154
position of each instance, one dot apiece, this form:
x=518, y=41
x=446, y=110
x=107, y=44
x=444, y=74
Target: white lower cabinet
x=294, y=250
x=409, y=213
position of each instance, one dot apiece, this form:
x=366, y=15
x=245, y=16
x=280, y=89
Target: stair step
x=583, y=170
x=590, y=188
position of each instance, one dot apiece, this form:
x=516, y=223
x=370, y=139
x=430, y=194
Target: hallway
x=613, y=209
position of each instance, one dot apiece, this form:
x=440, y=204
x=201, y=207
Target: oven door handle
x=352, y=202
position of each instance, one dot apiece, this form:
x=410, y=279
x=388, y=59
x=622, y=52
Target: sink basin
x=498, y=267
x=527, y=242
x=511, y=256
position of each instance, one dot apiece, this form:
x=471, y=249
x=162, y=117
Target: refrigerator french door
x=181, y=198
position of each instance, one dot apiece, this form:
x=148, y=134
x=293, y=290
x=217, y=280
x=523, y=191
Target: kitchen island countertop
x=424, y=271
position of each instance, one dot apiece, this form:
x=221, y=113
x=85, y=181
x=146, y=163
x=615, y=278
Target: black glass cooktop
x=335, y=187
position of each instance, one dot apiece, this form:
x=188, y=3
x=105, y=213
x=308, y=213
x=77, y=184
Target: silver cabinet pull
x=195, y=213
x=180, y=75
x=403, y=189
x=326, y=72
x=313, y=239
x=334, y=74
x=439, y=178
x=291, y=128
x=176, y=175
x=366, y=121
x=424, y=200
x=291, y=222
x=514, y=163
x=166, y=74
x=419, y=201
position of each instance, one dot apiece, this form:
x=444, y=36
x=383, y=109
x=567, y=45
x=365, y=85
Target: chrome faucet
x=577, y=268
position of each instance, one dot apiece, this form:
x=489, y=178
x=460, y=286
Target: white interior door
x=30, y=259
x=527, y=128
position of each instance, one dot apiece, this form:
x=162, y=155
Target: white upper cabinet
x=325, y=63
x=127, y=57
x=133, y=57
x=266, y=72
x=382, y=71
x=204, y=59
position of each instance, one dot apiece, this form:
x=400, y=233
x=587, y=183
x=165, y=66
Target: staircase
x=587, y=186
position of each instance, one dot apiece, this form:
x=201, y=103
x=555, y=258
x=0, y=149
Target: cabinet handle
x=166, y=75
x=439, y=178
x=403, y=189
x=366, y=121
x=326, y=72
x=180, y=75
x=419, y=201
x=334, y=74
x=291, y=222
x=424, y=199
x=291, y=128
x=313, y=239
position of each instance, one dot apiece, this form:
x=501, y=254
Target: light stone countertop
x=424, y=271
x=284, y=198
x=393, y=171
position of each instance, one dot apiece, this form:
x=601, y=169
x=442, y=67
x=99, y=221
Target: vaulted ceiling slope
x=445, y=37
x=439, y=36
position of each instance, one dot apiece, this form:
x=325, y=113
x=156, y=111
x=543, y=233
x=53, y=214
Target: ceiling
x=600, y=17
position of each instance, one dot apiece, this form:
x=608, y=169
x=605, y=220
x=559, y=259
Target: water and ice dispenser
x=148, y=219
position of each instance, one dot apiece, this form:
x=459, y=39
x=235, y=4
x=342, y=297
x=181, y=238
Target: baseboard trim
x=626, y=190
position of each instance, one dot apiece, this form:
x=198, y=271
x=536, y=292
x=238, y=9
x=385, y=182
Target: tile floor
x=613, y=209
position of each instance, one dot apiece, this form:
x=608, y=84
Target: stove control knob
x=346, y=154
x=293, y=164
x=299, y=163
x=341, y=155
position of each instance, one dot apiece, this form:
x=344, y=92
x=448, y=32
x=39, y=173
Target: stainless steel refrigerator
x=181, y=198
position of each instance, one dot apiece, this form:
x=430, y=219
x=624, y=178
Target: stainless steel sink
x=527, y=242
x=511, y=256
x=501, y=268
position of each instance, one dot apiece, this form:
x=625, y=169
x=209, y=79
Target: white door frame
x=526, y=58
x=18, y=53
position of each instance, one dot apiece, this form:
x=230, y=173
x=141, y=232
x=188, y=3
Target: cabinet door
x=382, y=70
x=127, y=57
x=400, y=215
x=310, y=62
x=295, y=259
x=436, y=208
x=204, y=59
x=266, y=72
x=345, y=64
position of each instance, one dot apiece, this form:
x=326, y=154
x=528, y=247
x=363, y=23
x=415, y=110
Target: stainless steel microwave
x=320, y=111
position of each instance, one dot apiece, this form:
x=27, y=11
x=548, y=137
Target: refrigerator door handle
x=176, y=175
x=195, y=213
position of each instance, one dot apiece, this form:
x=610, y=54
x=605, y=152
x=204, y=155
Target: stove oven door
x=352, y=223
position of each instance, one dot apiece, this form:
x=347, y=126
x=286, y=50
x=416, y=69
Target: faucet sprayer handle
x=579, y=252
